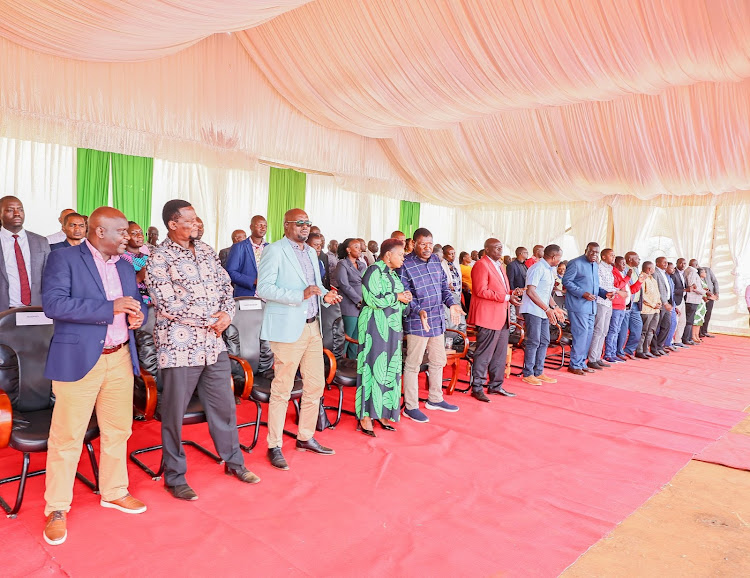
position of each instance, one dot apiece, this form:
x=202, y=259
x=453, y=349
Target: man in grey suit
x=22, y=259
x=713, y=288
x=665, y=313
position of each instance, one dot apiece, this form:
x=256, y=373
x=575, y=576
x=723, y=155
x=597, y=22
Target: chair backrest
x=332, y=326
x=25, y=335
x=248, y=319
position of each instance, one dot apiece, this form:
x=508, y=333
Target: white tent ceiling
x=460, y=102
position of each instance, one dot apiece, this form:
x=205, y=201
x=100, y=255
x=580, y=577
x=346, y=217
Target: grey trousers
x=213, y=384
x=664, y=323
x=489, y=357
x=650, y=323
x=601, y=328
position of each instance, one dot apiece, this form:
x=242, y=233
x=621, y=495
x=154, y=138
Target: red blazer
x=489, y=306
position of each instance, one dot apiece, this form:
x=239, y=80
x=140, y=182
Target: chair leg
x=94, y=466
x=337, y=408
x=257, y=424
x=13, y=512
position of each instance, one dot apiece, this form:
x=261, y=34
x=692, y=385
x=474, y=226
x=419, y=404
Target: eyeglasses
x=300, y=223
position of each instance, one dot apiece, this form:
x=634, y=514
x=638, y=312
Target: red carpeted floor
x=519, y=486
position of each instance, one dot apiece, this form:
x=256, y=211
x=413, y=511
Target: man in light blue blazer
x=289, y=280
x=581, y=281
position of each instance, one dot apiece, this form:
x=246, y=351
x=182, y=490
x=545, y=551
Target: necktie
x=23, y=276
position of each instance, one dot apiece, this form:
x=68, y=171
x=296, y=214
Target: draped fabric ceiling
x=456, y=102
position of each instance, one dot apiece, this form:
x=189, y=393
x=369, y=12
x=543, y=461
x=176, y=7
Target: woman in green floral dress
x=380, y=329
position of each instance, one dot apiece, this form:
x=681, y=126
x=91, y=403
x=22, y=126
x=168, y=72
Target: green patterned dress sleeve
x=380, y=360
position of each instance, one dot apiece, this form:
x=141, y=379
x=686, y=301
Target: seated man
x=650, y=308
x=74, y=227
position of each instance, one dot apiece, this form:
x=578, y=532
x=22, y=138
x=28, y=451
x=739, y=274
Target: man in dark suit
x=665, y=313
x=92, y=296
x=237, y=236
x=22, y=259
x=678, y=278
x=315, y=240
x=74, y=227
x=242, y=263
x=517, y=269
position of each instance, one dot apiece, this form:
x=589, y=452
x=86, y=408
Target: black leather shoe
x=385, y=426
x=500, y=391
x=243, y=474
x=655, y=353
x=480, y=395
x=182, y=492
x=277, y=459
x=650, y=355
x=576, y=371
x=594, y=365
x=313, y=446
x=664, y=351
x=708, y=335
x=364, y=430
x=603, y=363
x=641, y=356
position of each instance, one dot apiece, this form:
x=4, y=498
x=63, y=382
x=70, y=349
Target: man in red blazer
x=491, y=294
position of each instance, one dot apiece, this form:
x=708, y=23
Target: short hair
x=69, y=215
x=700, y=270
x=171, y=210
x=629, y=254
x=551, y=250
x=313, y=236
x=520, y=250
x=646, y=265
x=591, y=244
x=481, y=253
x=448, y=248
x=397, y=233
x=437, y=247
x=669, y=263
x=618, y=258
x=389, y=245
x=607, y=251
x=420, y=233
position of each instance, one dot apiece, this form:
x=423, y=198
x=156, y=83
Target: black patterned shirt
x=188, y=291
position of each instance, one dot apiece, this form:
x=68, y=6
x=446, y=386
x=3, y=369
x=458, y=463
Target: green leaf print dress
x=380, y=359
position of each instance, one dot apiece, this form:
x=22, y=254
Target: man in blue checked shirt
x=423, y=275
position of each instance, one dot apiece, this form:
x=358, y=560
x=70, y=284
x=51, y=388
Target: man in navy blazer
x=581, y=281
x=92, y=296
x=242, y=263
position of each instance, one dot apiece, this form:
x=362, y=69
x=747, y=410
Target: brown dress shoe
x=531, y=380
x=127, y=504
x=576, y=371
x=56, y=528
x=544, y=379
x=243, y=474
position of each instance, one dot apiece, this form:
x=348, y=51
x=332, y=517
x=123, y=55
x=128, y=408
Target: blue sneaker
x=416, y=415
x=442, y=406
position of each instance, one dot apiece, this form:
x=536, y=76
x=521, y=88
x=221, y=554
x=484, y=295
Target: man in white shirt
x=60, y=236
x=22, y=260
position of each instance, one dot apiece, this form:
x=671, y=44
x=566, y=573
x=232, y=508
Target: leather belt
x=108, y=350
x=312, y=319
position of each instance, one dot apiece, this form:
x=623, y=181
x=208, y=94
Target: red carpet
x=520, y=486
x=733, y=451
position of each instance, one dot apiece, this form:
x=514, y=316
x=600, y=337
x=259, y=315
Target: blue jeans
x=634, y=323
x=582, y=328
x=535, y=344
x=672, y=327
x=611, y=342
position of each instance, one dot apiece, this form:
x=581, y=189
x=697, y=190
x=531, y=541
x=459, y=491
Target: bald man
x=237, y=236
x=60, y=236
x=92, y=296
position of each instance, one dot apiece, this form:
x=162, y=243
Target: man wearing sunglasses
x=289, y=280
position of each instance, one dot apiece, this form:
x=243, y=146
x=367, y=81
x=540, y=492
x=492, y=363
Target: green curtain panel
x=92, y=179
x=286, y=190
x=132, y=180
x=408, y=218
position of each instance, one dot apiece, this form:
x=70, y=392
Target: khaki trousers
x=307, y=354
x=108, y=388
x=681, y=320
x=415, y=348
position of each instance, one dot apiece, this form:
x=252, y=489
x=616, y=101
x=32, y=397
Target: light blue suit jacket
x=581, y=276
x=282, y=283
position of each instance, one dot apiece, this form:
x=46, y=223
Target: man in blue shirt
x=581, y=282
x=539, y=310
x=424, y=326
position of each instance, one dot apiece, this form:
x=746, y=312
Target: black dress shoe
x=364, y=430
x=594, y=365
x=708, y=335
x=688, y=342
x=182, y=492
x=576, y=371
x=480, y=395
x=650, y=355
x=603, y=363
x=655, y=353
x=277, y=459
x=642, y=356
x=664, y=351
x=385, y=426
x=243, y=474
x=313, y=446
x=500, y=391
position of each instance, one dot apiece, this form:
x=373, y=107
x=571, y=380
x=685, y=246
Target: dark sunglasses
x=300, y=223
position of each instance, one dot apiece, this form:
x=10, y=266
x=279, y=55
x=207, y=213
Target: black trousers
x=665, y=322
x=489, y=356
x=690, y=309
x=212, y=382
x=707, y=318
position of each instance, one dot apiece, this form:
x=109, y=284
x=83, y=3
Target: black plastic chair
x=26, y=399
x=252, y=363
x=340, y=372
x=146, y=399
x=558, y=352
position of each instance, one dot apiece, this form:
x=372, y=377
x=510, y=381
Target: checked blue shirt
x=429, y=288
